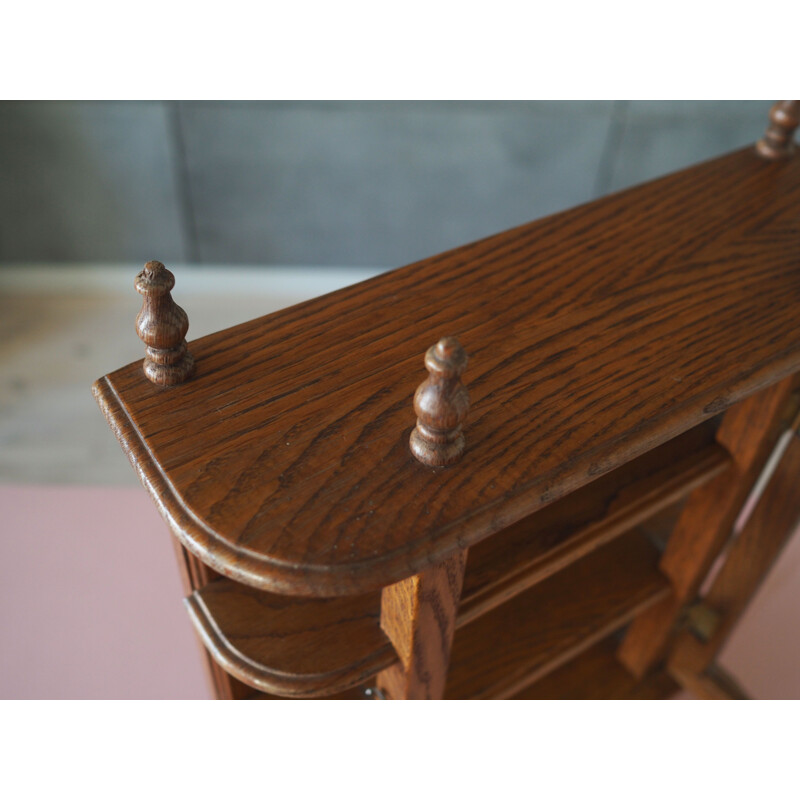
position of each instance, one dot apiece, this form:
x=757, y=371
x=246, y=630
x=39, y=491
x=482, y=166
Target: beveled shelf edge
x=309, y=580
x=242, y=565
x=282, y=684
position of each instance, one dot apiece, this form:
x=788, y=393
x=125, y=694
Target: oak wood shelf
x=507, y=649
x=535, y=548
x=284, y=462
x=291, y=646
x=596, y=674
x=604, y=389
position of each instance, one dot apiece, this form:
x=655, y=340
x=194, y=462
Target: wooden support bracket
x=419, y=617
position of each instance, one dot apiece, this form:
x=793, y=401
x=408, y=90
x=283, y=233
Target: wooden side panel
x=196, y=575
x=749, y=431
x=418, y=615
x=773, y=520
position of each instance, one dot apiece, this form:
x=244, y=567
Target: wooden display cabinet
x=608, y=413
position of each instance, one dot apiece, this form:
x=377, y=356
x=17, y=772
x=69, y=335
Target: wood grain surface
x=419, y=617
x=291, y=647
x=593, y=336
x=509, y=648
x=530, y=551
x=597, y=675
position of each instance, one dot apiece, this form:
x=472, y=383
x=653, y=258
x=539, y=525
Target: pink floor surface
x=90, y=598
x=90, y=604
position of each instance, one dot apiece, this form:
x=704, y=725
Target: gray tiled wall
x=378, y=184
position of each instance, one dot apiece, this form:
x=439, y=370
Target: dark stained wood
x=530, y=551
x=773, y=520
x=597, y=675
x=749, y=431
x=418, y=615
x=441, y=403
x=778, y=142
x=162, y=326
x=292, y=647
x=594, y=336
x=509, y=648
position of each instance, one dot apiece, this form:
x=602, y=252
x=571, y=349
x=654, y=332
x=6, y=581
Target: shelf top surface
x=593, y=336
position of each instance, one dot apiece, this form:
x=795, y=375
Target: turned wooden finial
x=441, y=403
x=162, y=326
x=778, y=142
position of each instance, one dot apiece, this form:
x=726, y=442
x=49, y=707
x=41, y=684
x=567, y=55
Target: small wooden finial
x=162, y=326
x=784, y=117
x=441, y=403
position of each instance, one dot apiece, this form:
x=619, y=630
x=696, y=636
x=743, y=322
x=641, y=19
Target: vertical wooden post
x=749, y=431
x=749, y=558
x=419, y=616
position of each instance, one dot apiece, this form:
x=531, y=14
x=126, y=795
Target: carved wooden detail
x=162, y=326
x=777, y=142
x=441, y=403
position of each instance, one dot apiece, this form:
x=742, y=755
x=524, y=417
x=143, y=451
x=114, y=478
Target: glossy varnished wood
x=594, y=336
x=291, y=647
x=509, y=648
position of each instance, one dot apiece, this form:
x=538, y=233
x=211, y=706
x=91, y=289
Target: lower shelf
x=501, y=653
x=289, y=646
x=597, y=675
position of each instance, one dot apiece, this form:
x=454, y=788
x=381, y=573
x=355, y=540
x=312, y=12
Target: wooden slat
x=749, y=431
x=512, y=561
x=774, y=518
x=593, y=335
x=504, y=651
x=598, y=675
x=291, y=647
x=419, y=617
